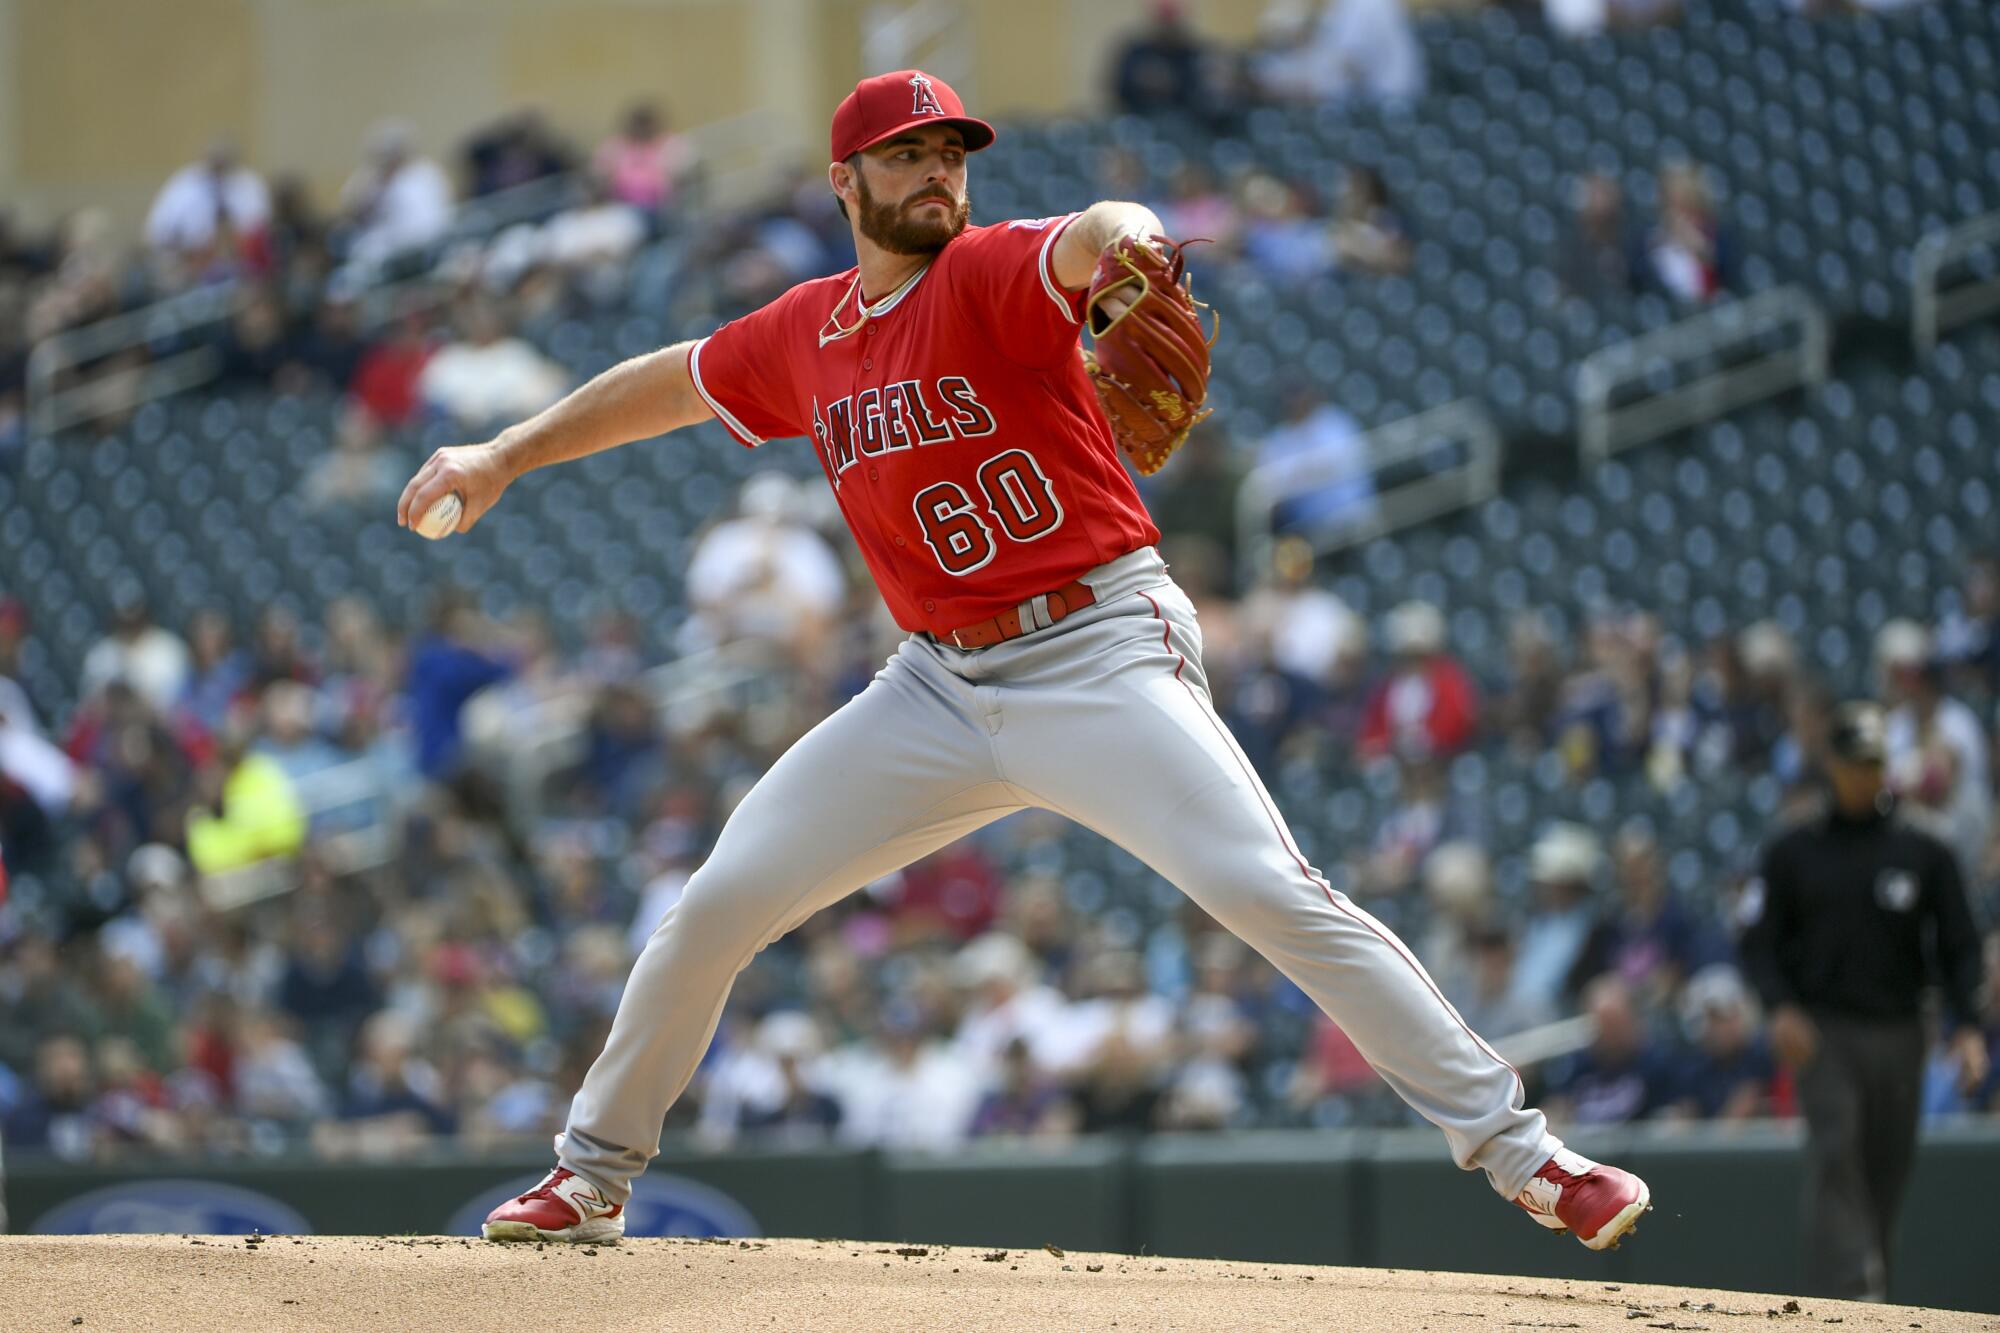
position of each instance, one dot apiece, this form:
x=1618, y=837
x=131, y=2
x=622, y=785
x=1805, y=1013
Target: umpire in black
x=1856, y=910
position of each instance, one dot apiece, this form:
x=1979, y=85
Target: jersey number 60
x=1018, y=495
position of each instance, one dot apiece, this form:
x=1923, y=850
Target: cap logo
x=924, y=101
x=1896, y=890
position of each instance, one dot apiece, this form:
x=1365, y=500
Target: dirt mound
x=432, y=1282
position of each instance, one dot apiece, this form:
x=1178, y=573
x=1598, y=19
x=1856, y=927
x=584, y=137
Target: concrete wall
x=1726, y=1202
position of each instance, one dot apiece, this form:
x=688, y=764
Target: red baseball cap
x=888, y=104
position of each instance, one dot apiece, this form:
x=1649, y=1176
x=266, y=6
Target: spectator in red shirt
x=385, y=383
x=1428, y=705
x=1691, y=255
x=953, y=892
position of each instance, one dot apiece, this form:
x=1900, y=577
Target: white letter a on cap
x=925, y=102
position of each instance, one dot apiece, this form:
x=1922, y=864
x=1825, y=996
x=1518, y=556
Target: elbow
x=1109, y=218
x=688, y=406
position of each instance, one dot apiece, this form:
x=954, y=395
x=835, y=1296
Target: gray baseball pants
x=1105, y=718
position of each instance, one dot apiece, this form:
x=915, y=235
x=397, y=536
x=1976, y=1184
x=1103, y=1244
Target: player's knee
x=720, y=918
x=1259, y=901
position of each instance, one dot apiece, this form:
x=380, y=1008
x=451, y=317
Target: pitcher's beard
x=901, y=231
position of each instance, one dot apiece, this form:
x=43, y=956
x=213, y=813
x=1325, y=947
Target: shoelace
x=1557, y=1179
x=547, y=1189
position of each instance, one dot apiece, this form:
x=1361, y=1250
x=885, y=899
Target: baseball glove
x=1149, y=362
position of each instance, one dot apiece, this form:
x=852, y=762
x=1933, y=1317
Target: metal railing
x=537, y=200
x=743, y=157
x=526, y=748
x=76, y=376
x=1408, y=485
x=1551, y=1041
x=79, y=374
x=345, y=845
x=932, y=34
x=1607, y=424
x=54, y=405
x=1933, y=308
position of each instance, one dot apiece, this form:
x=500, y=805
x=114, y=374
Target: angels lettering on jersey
x=953, y=418
x=896, y=416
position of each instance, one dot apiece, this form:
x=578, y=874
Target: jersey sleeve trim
x=1049, y=285
x=728, y=419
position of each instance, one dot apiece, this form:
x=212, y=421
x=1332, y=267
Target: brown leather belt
x=1031, y=615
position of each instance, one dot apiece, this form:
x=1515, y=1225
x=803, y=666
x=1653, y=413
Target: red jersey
x=953, y=418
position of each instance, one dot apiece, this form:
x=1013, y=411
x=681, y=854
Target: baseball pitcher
x=975, y=450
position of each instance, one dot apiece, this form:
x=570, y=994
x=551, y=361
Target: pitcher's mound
x=363, y=1282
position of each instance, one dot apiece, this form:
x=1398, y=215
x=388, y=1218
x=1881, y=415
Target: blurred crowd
x=1349, y=51
x=521, y=225
x=1264, y=228
x=270, y=886
x=1279, y=229
x=275, y=883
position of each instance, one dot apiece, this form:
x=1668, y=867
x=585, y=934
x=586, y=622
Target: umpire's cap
x=1860, y=733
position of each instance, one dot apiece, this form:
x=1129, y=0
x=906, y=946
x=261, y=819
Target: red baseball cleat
x=1601, y=1204
x=564, y=1207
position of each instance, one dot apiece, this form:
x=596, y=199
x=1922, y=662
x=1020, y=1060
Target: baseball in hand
x=441, y=519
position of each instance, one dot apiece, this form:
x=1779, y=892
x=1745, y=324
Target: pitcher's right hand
x=478, y=472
